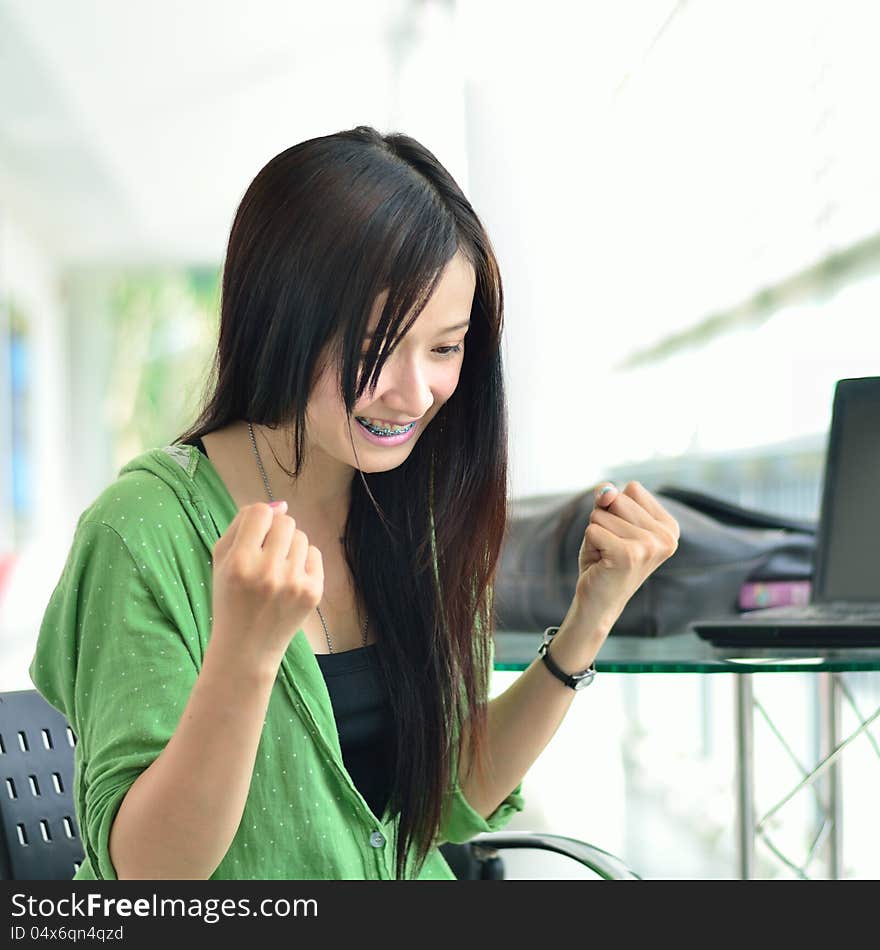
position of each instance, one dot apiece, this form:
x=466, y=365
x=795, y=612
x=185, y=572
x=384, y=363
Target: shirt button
x=377, y=839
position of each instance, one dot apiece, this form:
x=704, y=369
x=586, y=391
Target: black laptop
x=844, y=607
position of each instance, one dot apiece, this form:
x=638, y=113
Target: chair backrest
x=39, y=837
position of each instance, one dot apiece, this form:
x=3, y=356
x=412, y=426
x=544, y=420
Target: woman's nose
x=407, y=388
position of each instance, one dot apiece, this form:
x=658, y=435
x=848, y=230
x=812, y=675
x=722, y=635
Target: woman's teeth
x=382, y=428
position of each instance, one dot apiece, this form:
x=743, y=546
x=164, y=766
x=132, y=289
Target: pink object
x=754, y=595
x=7, y=562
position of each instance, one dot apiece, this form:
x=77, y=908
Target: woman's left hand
x=629, y=536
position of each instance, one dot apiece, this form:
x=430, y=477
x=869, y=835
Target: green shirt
x=120, y=647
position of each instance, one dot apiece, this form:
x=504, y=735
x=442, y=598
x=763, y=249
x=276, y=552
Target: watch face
x=585, y=681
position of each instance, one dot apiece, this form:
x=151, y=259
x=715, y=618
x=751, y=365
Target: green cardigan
x=119, y=649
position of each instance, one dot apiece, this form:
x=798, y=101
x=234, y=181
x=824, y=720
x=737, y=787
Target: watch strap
x=573, y=681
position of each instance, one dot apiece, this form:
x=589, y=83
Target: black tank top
x=362, y=712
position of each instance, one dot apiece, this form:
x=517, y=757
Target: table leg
x=829, y=698
x=745, y=775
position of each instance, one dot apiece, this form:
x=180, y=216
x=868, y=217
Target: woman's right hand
x=267, y=579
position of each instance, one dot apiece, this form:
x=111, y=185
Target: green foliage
x=163, y=331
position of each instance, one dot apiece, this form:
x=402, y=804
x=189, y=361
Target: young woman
x=280, y=670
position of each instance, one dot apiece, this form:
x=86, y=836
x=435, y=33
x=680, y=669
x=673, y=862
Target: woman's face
x=415, y=382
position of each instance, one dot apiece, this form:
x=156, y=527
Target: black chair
x=479, y=860
x=39, y=836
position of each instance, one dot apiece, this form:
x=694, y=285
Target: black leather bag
x=721, y=547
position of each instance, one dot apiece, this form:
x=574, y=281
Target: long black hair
x=325, y=227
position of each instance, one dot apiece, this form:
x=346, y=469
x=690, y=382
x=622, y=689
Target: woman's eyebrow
x=457, y=326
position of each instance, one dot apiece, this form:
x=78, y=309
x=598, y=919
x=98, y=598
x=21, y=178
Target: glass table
x=686, y=652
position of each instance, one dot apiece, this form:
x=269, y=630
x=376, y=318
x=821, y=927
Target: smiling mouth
x=383, y=428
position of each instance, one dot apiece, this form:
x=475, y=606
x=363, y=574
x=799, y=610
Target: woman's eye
x=445, y=352
x=450, y=351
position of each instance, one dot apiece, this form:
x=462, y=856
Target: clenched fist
x=629, y=536
x=267, y=578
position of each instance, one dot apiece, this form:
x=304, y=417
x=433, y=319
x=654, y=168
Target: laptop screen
x=849, y=541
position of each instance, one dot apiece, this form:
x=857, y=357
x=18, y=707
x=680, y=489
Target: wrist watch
x=575, y=680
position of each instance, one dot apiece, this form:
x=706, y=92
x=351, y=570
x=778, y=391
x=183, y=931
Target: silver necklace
x=272, y=498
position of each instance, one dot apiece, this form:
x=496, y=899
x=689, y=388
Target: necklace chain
x=272, y=498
